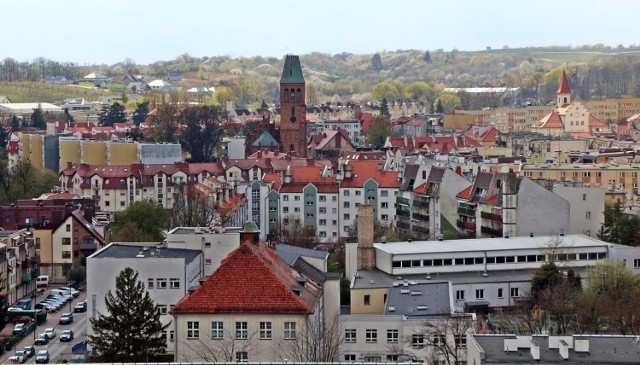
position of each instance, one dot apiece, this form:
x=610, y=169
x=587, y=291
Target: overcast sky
x=109, y=31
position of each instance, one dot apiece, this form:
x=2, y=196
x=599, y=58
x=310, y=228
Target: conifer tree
x=131, y=330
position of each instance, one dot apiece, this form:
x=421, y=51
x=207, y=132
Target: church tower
x=293, y=110
x=564, y=93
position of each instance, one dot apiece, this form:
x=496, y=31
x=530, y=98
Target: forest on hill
x=594, y=72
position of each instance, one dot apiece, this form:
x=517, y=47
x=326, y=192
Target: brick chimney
x=250, y=232
x=366, y=253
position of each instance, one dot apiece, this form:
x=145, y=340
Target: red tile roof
x=252, y=279
x=564, y=85
x=552, y=121
x=466, y=193
x=362, y=171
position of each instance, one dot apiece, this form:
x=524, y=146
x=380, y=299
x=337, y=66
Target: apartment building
x=167, y=273
x=19, y=264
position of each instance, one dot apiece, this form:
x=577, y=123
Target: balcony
x=469, y=226
x=421, y=217
x=491, y=216
x=468, y=212
x=402, y=225
x=491, y=231
x=420, y=204
x=420, y=229
x=26, y=263
x=402, y=213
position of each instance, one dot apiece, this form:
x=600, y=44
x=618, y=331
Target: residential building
x=167, y=274
x=586, y=208
x=332, y=143
x=352, y=127
x=19, y=262
x=227, y=318
x=504, y=205
x=160, y=86
x=57, y=80
x=234, y=147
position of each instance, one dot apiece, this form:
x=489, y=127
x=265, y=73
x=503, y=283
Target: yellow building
x=120, y=153
x=613, y=110
x=614, y=176
x=93, y=152
x=69, y=152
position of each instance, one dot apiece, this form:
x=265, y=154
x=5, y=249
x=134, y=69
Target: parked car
x=50, y=332
x=66, y=336
x=18, y=328
x=80, y=307
x=22, y=357
x=21, y=319
x=71, y=291
x=42, y=339
x=13, y=360
x=45, y=306
x=29, y=350
x=66, y=318
x=42, y=357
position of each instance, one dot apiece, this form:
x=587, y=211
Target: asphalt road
x=57, y=350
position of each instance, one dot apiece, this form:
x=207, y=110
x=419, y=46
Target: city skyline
x=96, y=32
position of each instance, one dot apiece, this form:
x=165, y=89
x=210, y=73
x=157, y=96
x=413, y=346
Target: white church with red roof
x=570, y=118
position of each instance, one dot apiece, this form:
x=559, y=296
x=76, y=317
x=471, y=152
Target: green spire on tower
x=292, y=71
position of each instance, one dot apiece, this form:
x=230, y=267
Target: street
x=57, y=350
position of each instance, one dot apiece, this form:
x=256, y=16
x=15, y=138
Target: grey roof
x=410, y=173
x=419, y=299
x=291, y=253
x=292, y=71
x=309, y=271
x=125, y=251
x=436, y=174
x=603, y=350
x=265, y=140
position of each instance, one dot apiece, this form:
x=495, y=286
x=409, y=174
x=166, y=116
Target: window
x=345, y=193
x=172, y=335
x=367, y=299
x=636, y=263
x=588, y=215
x=393, y=336
x=371, y=336
x=242, y=356
x=515, y=292
x=161, y=283
x=66, y=254
x=358, y=192
x=461, y=341
x=349, y=357
x=584, y=196
x=163, y=308
x=66, y=240
x=384, y=205
x=479, y=293
x=285, y=198
x=265, y=330
x=285, y=209
x=417, y=340
x=296, y=198
x=500, y=294
x=459, y=294
x=322, y=198
x=384, y=193
x=347, y=217
x=207, y=261
x=193, y=330
x=289, y=330
x=439, y=340
x=174, y=283
x=393, y=358
x=323, y=222
x=322, y=210
x=384, y=217
x=217, y=330
x=150, y=284
x=296, y=210
x=350, y=335
x=68, y=227
x=242, y=330
x=347, y=205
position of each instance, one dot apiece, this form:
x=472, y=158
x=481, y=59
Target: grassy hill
x=26, y=91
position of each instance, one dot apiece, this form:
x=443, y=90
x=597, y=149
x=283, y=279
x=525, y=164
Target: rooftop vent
x=422, y=307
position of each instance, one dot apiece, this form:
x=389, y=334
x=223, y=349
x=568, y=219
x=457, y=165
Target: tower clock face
x=293, y=119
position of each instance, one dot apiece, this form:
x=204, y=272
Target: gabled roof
x=265, y=140
x=552, y=121
x=77, y=215
x=362, y=171
x=252, y=279
x=564, y=84
x=292, y=71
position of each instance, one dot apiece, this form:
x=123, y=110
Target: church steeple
x=564, y=92
x=293, y=110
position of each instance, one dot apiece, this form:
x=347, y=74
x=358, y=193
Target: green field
x=25, y=92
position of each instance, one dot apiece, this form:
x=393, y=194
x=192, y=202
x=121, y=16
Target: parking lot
x=57, y=350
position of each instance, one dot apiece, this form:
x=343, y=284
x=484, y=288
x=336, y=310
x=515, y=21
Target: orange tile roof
x=273, y=177
x=252, y=279
x=362, y=171
x=551, y=121
x=466, y=193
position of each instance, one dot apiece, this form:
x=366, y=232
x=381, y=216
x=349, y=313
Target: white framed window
x=174, y=283
x=459, y=294
x=479, y=293
x=265, y=330
x=161, y=283
x=371, y=335
x=217, y=330
x=393, y=336
x=350, y=335
x=417, y=340
x=242, y=330
x=150, y=283
x=461, y=341
x=515, y=292
x=193, y=330
x=289, y=330
x=162, y=308
x=242, y=356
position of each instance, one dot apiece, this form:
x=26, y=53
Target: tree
x=385, y=90
x=446, y=337
x=317, y=340
x=546, y=276
x=111, y=114
x=37, y=118
x=223, y=94
x=427, y=57
x=447, y=103
x=439, y=108
x=192, y=210
x=15, y=124
x=203, y=132
x=379, y=130
x=619, y=227
x=142, y=221
x=295, y=233
x=67, y=116
x=420, y=91
x=166, y=124
x=140, y=114
x=77, y=274
x=376, y=62
x=384, y=108
x=131, y=330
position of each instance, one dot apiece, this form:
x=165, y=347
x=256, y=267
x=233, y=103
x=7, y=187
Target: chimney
x=250, y=232
x=366, y=253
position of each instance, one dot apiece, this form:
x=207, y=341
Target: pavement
x=57, y=350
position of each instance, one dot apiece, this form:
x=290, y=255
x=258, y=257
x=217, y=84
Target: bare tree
x=193, y=210
x=317, y=340
x=218, y=350
x=445, y=337
x=295, y=233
